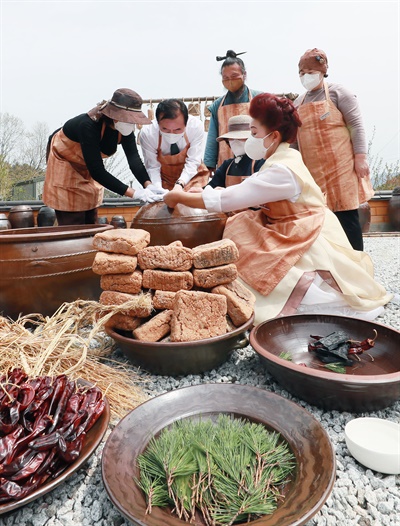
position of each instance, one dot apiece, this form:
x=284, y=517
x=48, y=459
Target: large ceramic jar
x=41, y=268
x=394, y=209
x=118, y=221
x=21, y=216
x=191, y=226
x=46, y=216
x=364, y=214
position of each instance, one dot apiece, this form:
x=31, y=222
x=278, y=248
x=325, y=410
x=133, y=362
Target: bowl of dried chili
x=50, y=426
x=333, y=362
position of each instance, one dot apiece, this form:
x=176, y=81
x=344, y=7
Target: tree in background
x=22, y=153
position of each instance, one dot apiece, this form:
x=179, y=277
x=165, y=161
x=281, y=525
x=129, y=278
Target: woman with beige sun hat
x=239, y=166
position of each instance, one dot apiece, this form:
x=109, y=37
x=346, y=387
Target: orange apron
x=173, y=165
x=231, y=180
x=68, y=185
x=271, y=240
x=224, y=113
x=325, y=145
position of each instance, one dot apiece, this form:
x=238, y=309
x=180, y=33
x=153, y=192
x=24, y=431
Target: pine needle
x=230, y=471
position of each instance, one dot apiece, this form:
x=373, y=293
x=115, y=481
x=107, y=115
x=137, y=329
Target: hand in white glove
x=146, y=195
x=156, y=188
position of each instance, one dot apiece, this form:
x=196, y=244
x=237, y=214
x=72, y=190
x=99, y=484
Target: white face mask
x=172, y=138
x=310, y=80
x=254, y=147
x=237, y=147
x=124, y=128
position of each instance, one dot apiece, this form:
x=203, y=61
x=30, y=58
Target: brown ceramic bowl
x=181, y=358
x=305, y=494
x=366, y=386
x=92, y=441
x=192, y=226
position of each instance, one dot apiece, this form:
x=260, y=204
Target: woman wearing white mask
x=237, y=168
x=293, y=252
x=76, y=175
x=173, y=148
x=333, y=144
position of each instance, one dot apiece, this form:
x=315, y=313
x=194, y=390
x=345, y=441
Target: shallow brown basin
x=192, y=226
x=366, y=386
x=315, y=459
x=43, y=267
x=181, y=358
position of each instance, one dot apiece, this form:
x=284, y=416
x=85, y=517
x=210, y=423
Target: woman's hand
x=171, y=199
x=361, y=165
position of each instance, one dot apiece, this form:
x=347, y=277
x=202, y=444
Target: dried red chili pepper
x=30, y=467
x=69, y=388
x=73, y=449
x=7, y=444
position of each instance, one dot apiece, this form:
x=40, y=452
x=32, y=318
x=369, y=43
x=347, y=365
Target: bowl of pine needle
x=218, y=455
x=334, y=362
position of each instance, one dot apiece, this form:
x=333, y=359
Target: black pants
x=351, y=225
x=87, y=217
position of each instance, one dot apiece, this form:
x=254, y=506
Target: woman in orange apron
x=76, y=176
x=293, y=253
x=235, y=102
x=173, y=148
x=332, y=143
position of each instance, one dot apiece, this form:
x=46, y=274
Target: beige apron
x=173, y=165
x=325, y=145
x=231, y=180
x=224, y=113
x=68, y=185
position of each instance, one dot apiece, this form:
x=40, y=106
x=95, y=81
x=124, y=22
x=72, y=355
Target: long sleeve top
x=242, y=169
x=275, y=183
x=149, y=139
x=211, y=151
x=346, y=102
x=87, y=132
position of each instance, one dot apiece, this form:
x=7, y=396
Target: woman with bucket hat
x=332, y=143
x=236, y=101
x=240, y=166
x=76, y=175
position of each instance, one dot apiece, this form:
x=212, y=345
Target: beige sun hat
x=238, y=128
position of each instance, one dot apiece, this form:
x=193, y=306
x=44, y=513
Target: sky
x=59, y=58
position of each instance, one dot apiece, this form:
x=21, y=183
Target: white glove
x=156, y=188
x=146, y=195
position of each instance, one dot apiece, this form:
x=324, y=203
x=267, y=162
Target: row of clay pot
x=22, y=216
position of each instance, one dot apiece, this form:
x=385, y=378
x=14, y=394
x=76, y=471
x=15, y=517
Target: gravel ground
x=360, y=496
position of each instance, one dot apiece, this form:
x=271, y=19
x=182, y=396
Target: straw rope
x=73, y=342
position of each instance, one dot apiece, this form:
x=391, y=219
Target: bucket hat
x=238, y=128
x=125, y=106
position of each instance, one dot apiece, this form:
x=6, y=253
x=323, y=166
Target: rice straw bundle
x=72, y=342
